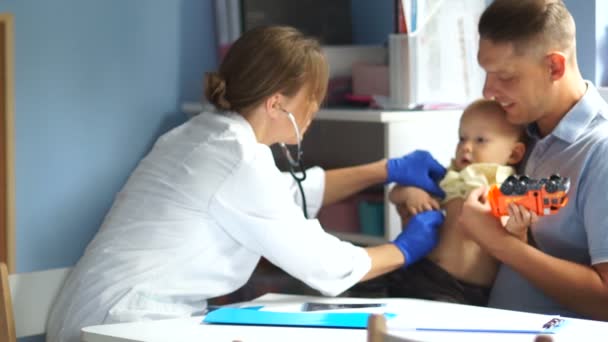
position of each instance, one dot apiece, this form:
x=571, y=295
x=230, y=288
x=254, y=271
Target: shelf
x=361, y=115
x=384, y=116
x=359, y=239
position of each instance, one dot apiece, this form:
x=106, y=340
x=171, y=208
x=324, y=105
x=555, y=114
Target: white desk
x=191, y=329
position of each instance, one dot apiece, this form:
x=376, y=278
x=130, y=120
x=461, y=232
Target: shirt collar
x=573, y=124
x=238, y=123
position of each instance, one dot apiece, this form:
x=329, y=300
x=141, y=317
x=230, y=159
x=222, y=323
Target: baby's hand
x=520, y=220
x=411, y=201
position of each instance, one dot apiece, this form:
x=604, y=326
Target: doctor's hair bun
x=215, y=90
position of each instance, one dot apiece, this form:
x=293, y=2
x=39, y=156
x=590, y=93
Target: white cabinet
x=344, y=137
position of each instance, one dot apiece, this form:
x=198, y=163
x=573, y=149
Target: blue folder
x=244, y=316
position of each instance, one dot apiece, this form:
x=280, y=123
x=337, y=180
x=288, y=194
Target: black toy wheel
x=551, y=186
x=507, y=187
x=521, y=186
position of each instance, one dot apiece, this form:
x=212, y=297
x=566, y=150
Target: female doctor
x=207, y=202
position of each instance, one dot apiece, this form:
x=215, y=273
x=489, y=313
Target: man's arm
x=581, y=288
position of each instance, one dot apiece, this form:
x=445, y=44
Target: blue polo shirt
x=577, y=148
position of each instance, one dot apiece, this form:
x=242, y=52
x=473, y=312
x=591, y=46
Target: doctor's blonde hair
x=264, y=61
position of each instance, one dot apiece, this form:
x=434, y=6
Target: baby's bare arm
x=410, y=201
x=519, y=221
x=416, y=200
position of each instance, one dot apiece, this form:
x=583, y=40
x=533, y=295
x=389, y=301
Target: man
x=528, y=51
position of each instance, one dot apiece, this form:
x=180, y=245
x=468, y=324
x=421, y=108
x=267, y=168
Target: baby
x=458, y=270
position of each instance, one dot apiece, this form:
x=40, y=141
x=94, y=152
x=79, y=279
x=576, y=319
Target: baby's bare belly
x=460, y=256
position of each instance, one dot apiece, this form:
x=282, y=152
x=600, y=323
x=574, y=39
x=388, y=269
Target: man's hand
x=420, y=236
x=417, y=169
x=476, y=218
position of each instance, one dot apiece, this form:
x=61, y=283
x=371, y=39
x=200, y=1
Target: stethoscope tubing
x=296, y=166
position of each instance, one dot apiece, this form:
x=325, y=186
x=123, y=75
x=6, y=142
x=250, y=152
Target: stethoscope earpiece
x=294, y=162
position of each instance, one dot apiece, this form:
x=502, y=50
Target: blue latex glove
x=420, y=236
x=417, y=169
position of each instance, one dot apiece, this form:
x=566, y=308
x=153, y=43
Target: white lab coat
x=192, y=222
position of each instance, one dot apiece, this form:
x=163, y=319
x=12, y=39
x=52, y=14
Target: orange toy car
x=543, y=196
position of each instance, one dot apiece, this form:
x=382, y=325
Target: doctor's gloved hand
x=420, y=236
x=417, y=169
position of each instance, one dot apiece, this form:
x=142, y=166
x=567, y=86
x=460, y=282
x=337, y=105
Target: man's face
x=520, y=83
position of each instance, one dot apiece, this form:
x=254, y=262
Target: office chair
x=26, y=300
x=376, y=331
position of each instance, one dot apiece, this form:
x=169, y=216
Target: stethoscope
x=296, y=166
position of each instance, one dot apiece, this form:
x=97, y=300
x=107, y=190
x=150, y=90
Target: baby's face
x=485, y=137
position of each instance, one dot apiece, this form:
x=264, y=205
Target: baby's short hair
x=485, y=105
x=492, y=106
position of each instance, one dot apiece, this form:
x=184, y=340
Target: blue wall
x=584, y=17
x=95, y=83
